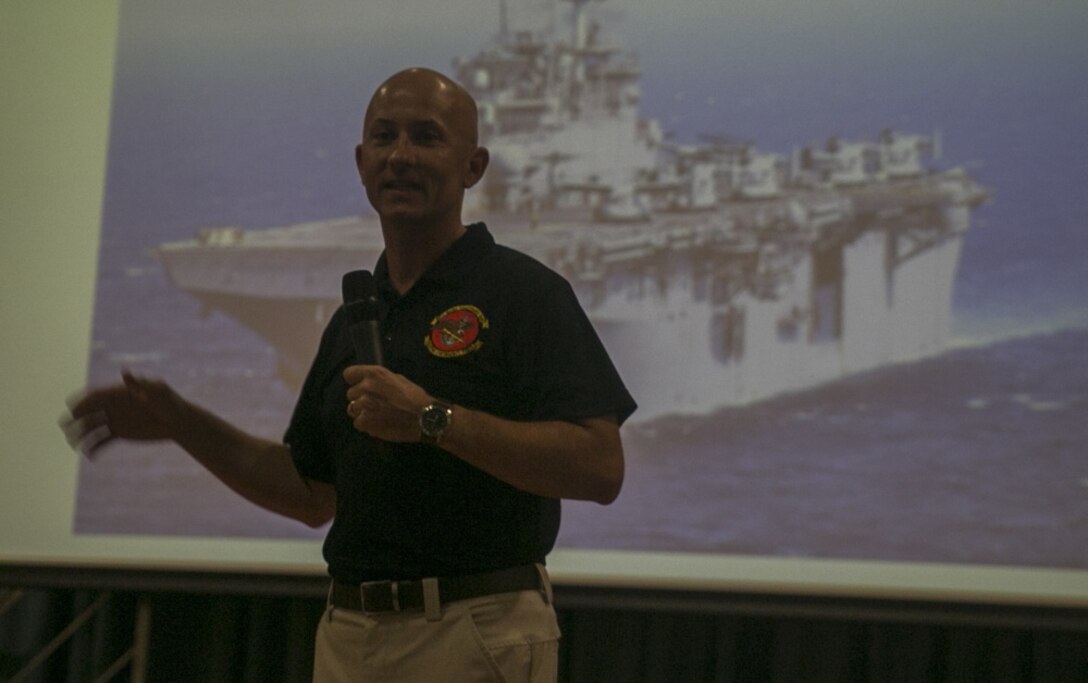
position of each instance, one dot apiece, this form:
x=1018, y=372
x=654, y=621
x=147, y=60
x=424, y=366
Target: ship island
x=717, y=274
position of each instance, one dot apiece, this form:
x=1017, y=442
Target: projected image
x=838, y=256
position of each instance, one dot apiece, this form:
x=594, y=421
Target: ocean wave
x=983, y=335
x=136, y=357
x=1039, y=405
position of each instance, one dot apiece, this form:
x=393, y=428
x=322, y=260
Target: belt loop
x=432, y=601
x=394, y=592
x=545, y=583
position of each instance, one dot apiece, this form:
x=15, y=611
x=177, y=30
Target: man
x=443, y=468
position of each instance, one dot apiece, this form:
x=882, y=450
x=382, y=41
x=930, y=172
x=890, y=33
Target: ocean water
x=976, y=455
x=979, y=455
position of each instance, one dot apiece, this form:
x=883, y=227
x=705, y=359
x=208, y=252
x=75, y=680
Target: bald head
x=419, y=154
x=446, y=97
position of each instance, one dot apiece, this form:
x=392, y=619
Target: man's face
x=418, y=153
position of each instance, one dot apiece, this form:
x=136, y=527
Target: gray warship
x=717, y=274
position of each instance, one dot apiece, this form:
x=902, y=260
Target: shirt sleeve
x=567, y=365
x=305, y=436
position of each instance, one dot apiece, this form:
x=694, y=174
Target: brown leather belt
x=395, y=596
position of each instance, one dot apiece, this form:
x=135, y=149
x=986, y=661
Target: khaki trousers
x=509, y=637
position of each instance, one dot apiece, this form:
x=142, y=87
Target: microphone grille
x=360, y=292
x=358, y=285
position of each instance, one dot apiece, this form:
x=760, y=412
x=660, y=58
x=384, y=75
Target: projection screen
x=837, y=249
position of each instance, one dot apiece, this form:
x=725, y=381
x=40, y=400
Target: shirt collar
x=451, y=266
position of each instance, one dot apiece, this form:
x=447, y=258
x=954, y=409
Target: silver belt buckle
x=393, y=594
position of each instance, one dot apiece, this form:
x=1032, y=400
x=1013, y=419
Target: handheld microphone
x=361, y=306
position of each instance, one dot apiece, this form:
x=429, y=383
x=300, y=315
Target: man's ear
x=359, y=161
x=477, y=164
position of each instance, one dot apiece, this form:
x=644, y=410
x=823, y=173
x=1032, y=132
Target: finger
x=75, y=399
x=79, y=404
x=354, y=374
x=95, y=440
x=75, y=429
x=360, y=423
x=138, y=387
x=362, y=395
x=87, y=402
x=87, y=440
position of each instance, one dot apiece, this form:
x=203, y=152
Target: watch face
x=434, y=420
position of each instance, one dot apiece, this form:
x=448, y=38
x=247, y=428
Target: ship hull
x=684, y=361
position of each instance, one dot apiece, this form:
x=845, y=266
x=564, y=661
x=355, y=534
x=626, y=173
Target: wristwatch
x=434, y=419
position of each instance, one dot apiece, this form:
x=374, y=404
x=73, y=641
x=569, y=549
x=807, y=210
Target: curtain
x=225, y=638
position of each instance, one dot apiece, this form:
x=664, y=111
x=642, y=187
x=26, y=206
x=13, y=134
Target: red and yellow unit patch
x=456, y=331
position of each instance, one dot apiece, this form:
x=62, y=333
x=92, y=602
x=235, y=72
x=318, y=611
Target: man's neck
x=411, y=249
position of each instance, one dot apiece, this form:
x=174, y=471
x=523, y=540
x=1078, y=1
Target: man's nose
x=402, y=151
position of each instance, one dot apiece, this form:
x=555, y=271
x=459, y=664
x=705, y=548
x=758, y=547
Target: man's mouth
x=402, y=186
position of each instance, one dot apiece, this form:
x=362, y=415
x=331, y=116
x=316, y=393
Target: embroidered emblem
x=456, y=332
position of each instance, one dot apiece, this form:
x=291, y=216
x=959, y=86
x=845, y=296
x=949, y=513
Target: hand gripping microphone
x=361, y=306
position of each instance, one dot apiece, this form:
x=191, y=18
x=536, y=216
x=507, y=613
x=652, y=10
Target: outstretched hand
x=138, y=409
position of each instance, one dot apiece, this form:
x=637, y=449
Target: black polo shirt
x=487, y=328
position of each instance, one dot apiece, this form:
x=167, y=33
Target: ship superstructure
x=716, y=273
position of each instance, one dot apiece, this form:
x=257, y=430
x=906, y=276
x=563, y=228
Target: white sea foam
x=136, y=357
x=1003, y=330
x=1037, y=405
